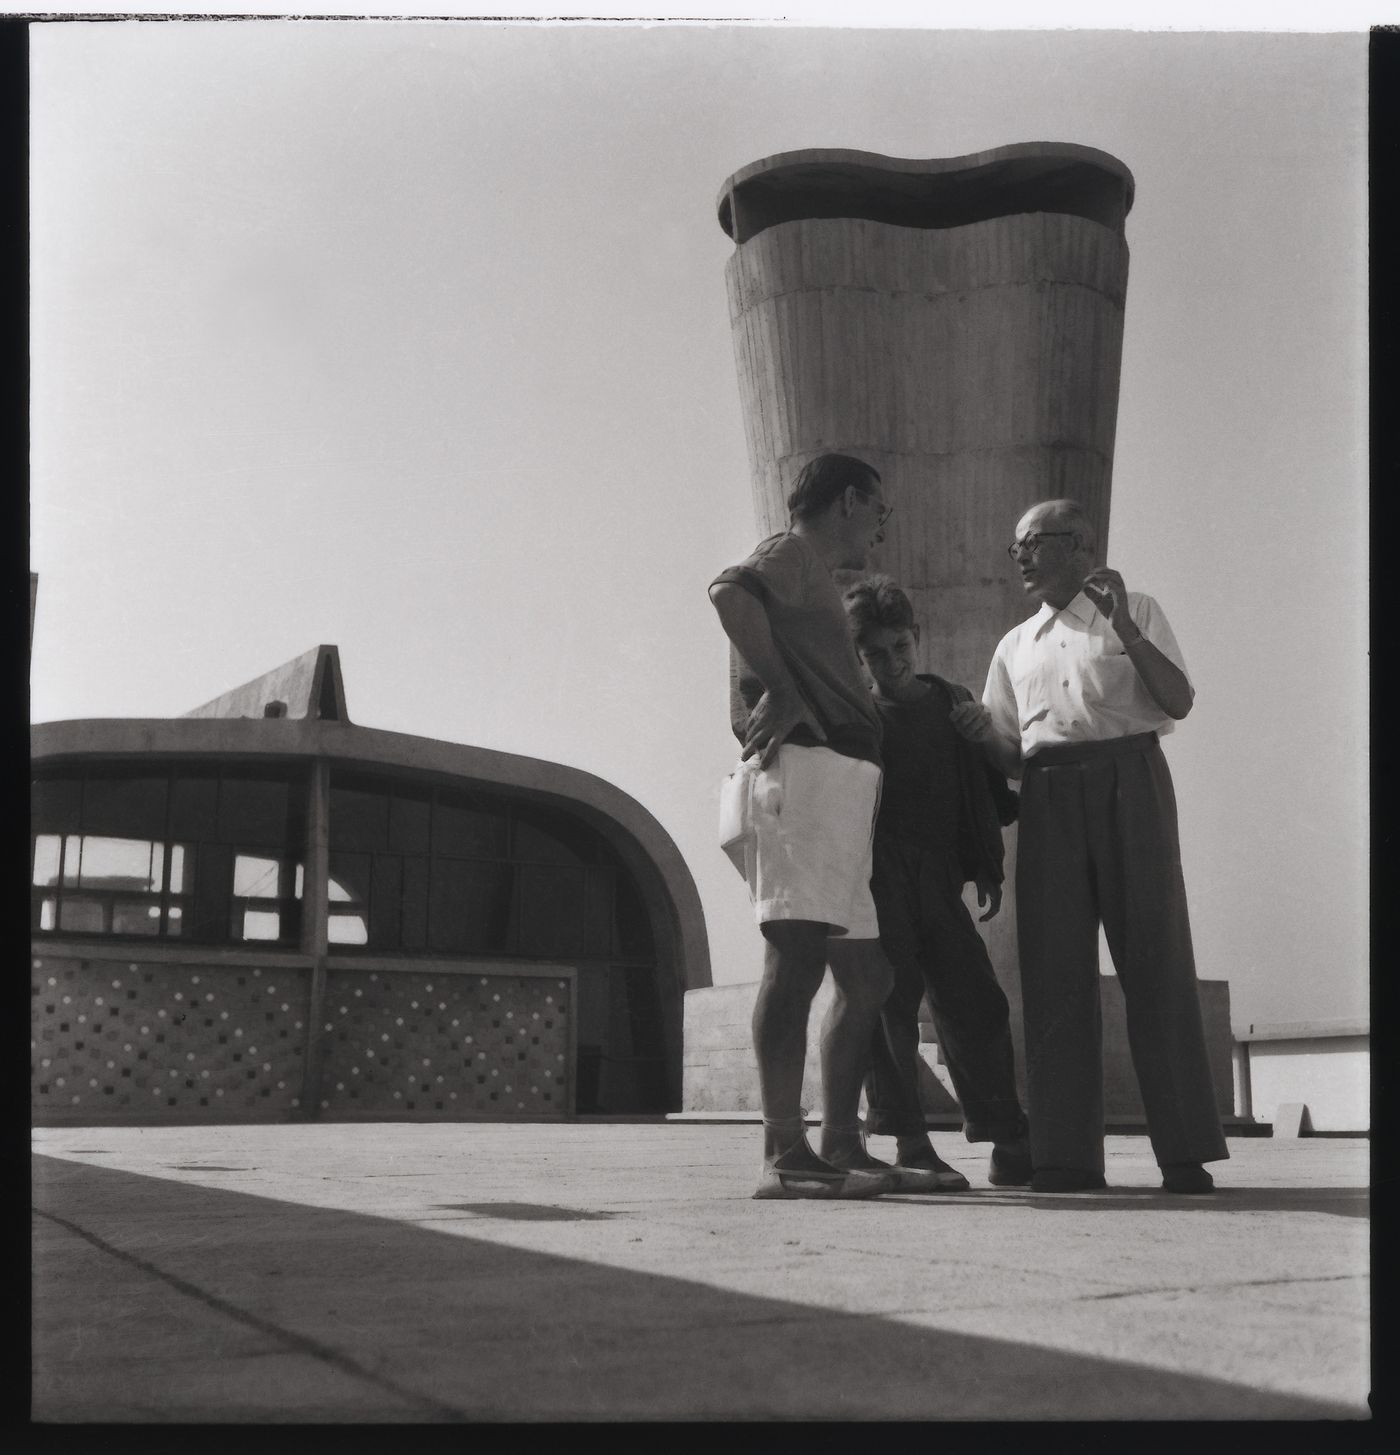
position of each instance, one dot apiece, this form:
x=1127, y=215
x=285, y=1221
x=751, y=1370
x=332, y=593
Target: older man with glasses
x=1075, y=701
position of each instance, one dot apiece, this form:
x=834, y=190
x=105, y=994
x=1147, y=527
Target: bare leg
x=793, y=966
x=863, y=979
x=794, y=962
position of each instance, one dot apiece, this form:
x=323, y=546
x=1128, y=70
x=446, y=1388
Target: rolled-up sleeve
x=1151, y=621
x=775, y=571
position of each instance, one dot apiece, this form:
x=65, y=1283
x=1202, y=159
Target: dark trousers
x=935, y=949
x=1098, y=843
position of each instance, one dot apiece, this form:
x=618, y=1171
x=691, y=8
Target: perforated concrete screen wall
x=169, y=1042
x=162, y=1040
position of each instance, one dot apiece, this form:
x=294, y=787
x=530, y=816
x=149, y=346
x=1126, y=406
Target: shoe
x=1066, y=1179
x=929, y=1174
x=925, y=1172
x=824, y=1181
x=1186, y=1177
x=1010, y=1167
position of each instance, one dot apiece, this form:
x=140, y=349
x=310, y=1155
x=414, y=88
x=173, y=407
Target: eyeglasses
x=885, y=510
x=1031, y=544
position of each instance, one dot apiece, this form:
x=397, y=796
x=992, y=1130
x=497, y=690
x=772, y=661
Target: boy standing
x=939, y=826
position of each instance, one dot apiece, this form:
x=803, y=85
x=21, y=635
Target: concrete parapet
x=720, y=1074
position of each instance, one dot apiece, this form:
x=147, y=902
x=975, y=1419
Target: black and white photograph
x=640, y=622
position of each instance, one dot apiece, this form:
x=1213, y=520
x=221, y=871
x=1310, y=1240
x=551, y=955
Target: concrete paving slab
x=113, y=1341
x=354, y=1272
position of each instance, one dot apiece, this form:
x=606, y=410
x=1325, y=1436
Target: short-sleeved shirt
x=921, y=797
x=1065, y=677
x=808, y=623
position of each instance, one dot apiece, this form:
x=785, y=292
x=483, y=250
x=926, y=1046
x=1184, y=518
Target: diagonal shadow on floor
x=157, y=1301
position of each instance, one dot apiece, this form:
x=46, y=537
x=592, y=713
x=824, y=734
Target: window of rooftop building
x=47, y=861
x=476, y=873
x=347, y=898
x=467, y=826
x=259, y=810
x=179, y=852
x=267, y=891
x=469, y=907
x=544, y=836
x=359, y=818
x=410, y=819
x=632, y=926
x=122, y=805
x=553, y=911
x=413, y=903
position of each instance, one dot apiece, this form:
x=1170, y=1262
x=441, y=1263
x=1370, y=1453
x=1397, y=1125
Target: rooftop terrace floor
x=621, y=1271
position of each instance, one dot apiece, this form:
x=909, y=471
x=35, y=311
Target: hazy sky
x=413, y=338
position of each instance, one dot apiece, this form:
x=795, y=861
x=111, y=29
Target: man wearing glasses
x=1075, y=700
x=797, y=820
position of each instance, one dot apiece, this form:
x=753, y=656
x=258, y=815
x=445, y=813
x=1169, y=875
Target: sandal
x=825, y=1181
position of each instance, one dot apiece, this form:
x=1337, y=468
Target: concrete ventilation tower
x=956, y=322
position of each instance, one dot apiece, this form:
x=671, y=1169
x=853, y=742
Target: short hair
x=824, y=479
x=877, y=602
x=1072, y=516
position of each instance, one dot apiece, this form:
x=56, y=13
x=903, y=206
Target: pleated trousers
x=1098, y=843
x=933, y=946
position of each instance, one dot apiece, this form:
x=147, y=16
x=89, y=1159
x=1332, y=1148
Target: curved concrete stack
x=958, y=323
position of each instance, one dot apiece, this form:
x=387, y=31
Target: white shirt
x=1064, y=677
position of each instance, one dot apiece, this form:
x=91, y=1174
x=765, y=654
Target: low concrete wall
x=1121, y=1097
x=1325, y=1067
x=720, y=1075
x=718, y=1072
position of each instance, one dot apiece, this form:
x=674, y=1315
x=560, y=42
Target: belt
x=1055, y=754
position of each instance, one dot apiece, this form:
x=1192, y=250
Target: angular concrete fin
x=328, y=689
x=309, y=686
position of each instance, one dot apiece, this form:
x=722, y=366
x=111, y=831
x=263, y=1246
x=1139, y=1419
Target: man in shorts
x=797, y=819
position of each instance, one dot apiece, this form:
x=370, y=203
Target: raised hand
x=988, y=889
x=1104, y=587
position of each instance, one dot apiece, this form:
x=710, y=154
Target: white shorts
x=800, y=831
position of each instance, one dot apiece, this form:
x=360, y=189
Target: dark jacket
x=989, y=803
